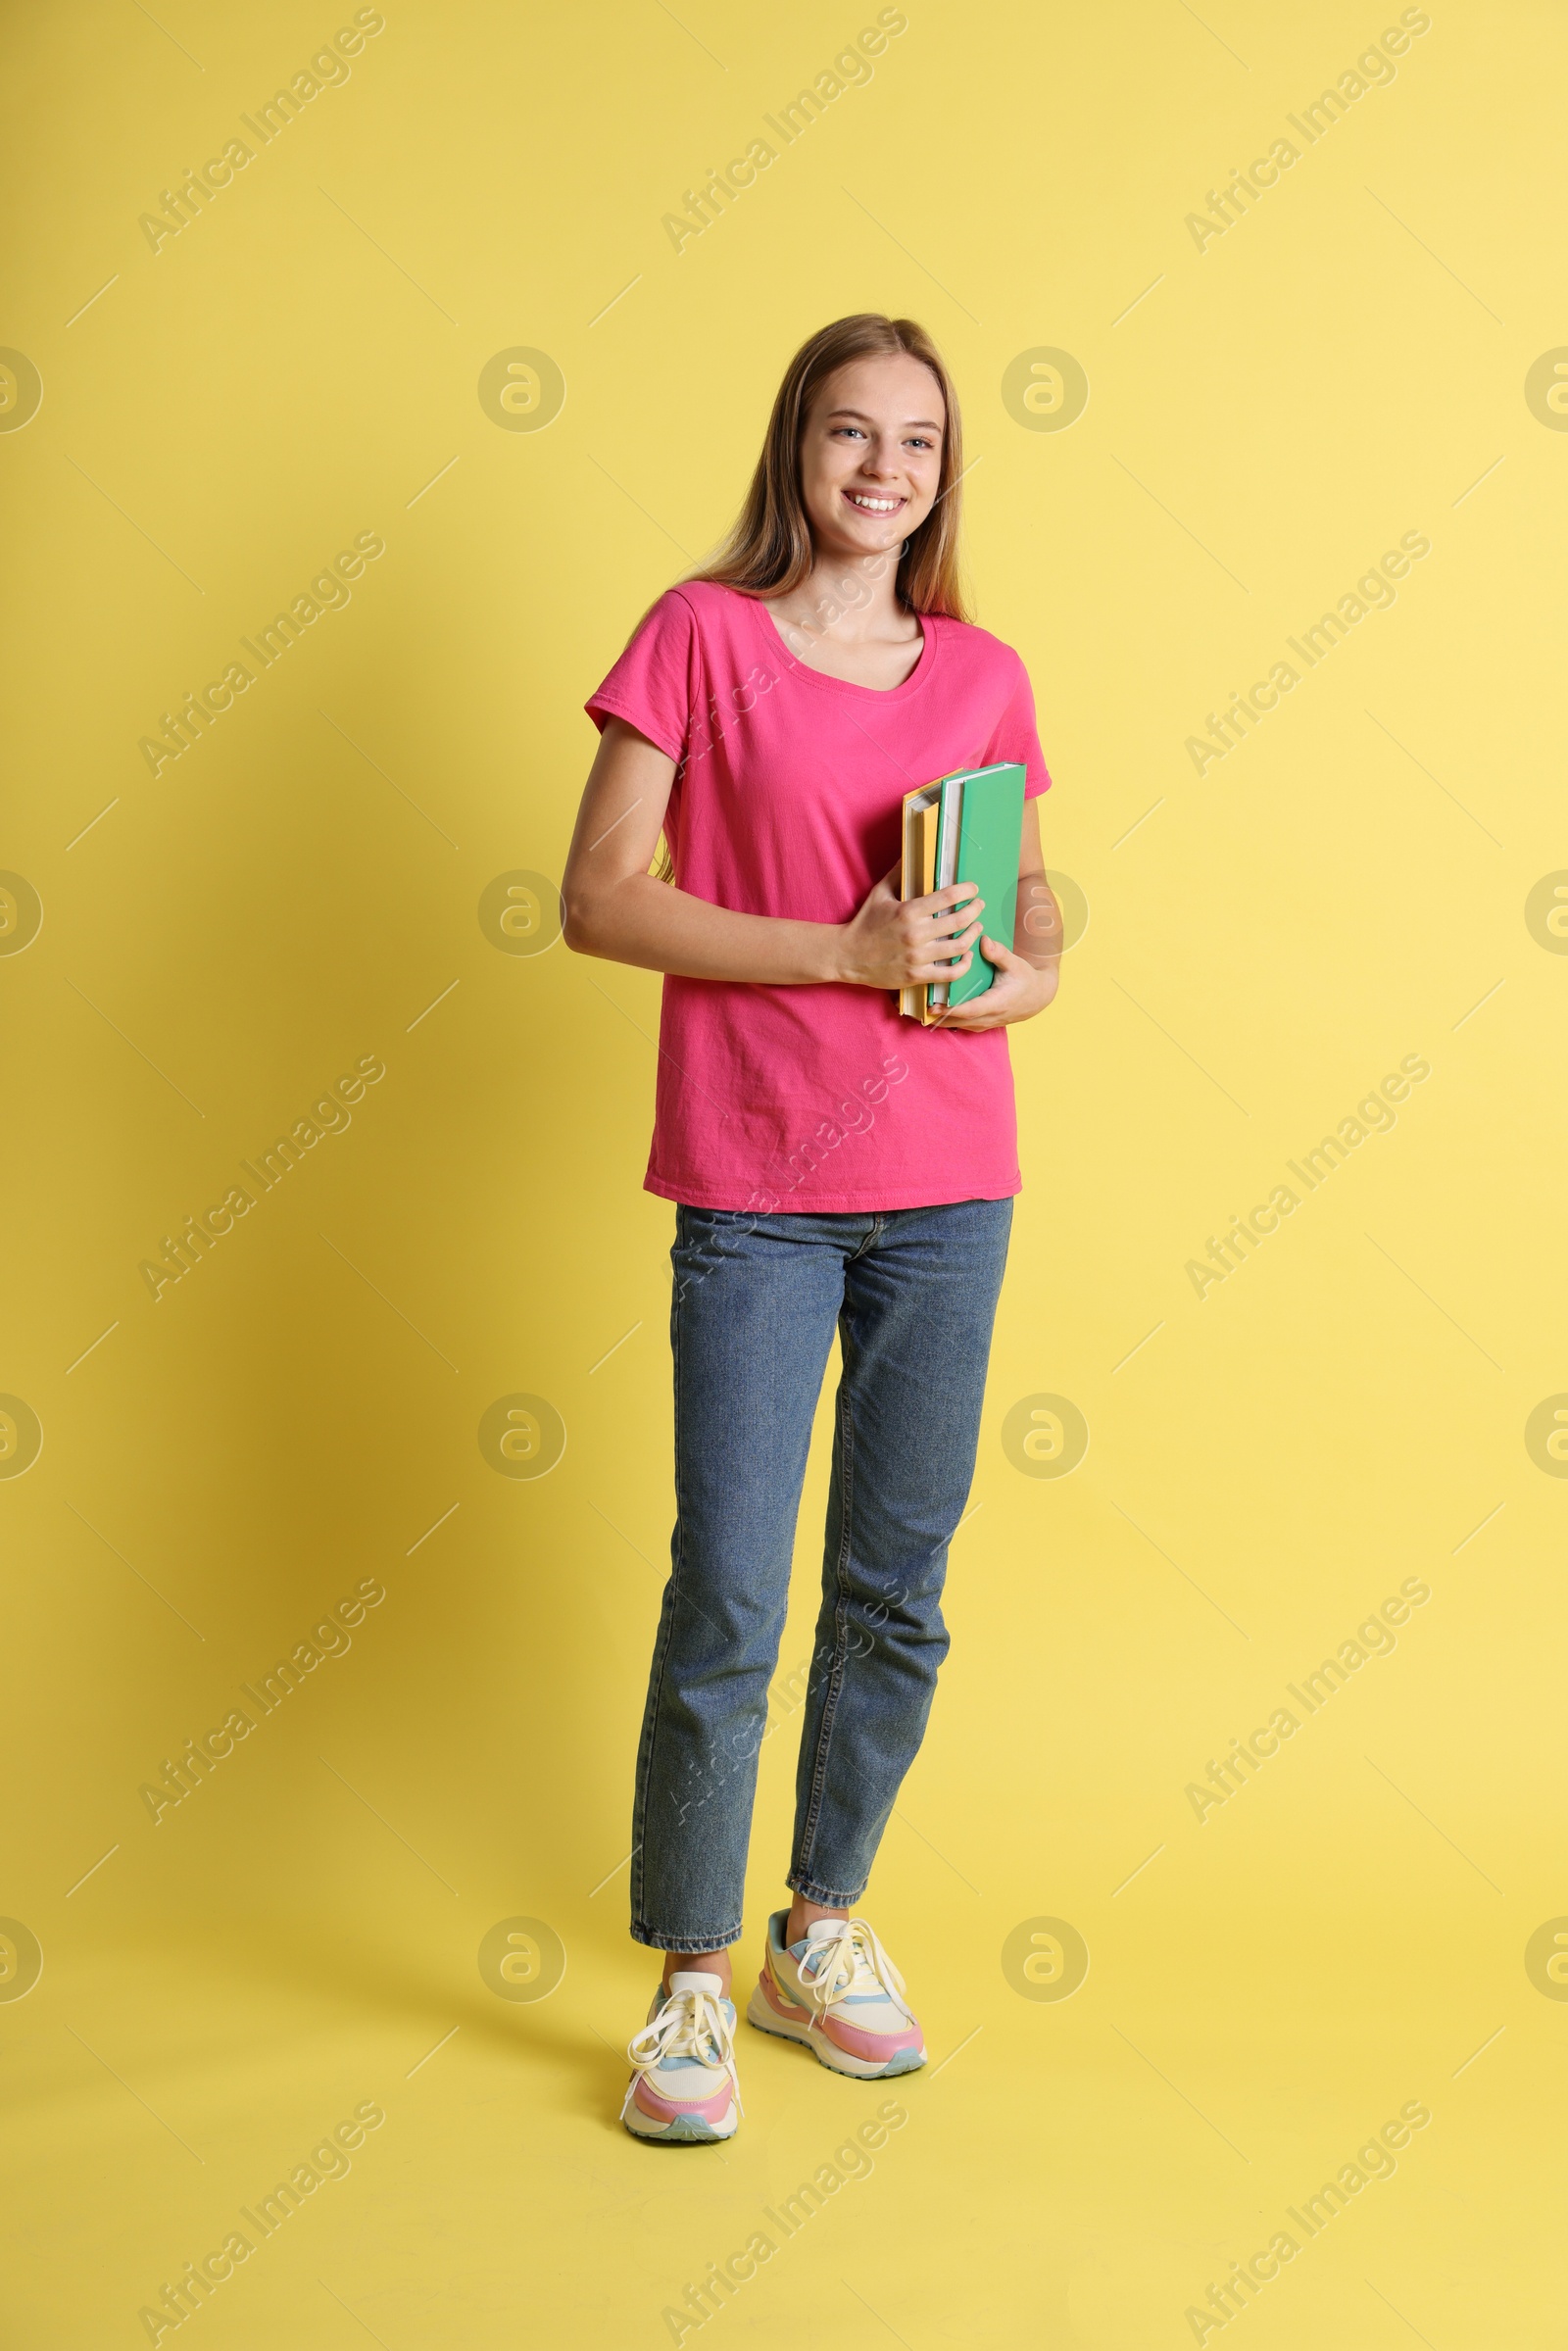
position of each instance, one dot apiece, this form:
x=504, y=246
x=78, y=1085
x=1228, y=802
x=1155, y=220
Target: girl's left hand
x=1018, y=991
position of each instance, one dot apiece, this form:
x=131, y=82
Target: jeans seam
x=645, y=1760
x=649, y=1936
x=824, y=1736
x=835, y=1897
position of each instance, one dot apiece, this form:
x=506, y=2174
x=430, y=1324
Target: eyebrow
x=929, y=422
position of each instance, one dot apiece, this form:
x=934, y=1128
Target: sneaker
x=837, y=1992
x=684, y=2090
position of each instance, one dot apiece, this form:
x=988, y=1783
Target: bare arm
x=614, y=909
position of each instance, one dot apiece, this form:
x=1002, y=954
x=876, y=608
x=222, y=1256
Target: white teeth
x=875, y=506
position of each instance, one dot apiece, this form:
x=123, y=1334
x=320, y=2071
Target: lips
x=883, y=511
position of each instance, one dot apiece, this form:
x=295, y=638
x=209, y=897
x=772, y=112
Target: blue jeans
x=914, y=1294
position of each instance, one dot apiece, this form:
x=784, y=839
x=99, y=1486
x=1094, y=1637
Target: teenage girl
x=833, y=1165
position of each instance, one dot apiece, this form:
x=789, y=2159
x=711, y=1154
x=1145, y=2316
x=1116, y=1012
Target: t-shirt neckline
x=907, y=687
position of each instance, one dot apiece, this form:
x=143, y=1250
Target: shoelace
x=690, y=2024
x=836, y=1962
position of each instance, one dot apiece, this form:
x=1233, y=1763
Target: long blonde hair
x=769, y=550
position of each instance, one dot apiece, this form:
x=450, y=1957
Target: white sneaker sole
x=766, y=2019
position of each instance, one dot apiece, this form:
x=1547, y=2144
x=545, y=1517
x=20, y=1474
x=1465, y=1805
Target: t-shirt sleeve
x=1016, y=738
x=656, y=685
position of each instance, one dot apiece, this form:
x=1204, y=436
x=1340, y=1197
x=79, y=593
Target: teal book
x=979, y=837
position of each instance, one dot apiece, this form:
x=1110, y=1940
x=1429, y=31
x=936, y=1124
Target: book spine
x=948, y=819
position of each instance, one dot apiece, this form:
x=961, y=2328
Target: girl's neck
x=851, y=626
x=847, y=601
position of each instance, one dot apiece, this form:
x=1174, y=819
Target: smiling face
x=871, y=456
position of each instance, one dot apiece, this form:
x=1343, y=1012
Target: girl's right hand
x=904, y=943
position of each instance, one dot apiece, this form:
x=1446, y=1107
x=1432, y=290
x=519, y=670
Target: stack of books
x=966, y=827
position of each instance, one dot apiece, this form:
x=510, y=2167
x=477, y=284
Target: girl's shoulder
x=708, y=599
x=703, y=608
x=977, y=645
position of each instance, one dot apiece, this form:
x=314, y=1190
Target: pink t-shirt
x=788, y=800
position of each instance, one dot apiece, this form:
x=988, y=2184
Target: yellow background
x=1344, y=364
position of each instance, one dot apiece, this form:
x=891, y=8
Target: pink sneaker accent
x=778, y=1999
x=881, y=2045
x=674, y=2110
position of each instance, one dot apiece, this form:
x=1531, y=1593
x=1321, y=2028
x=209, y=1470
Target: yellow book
x=921, y=809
